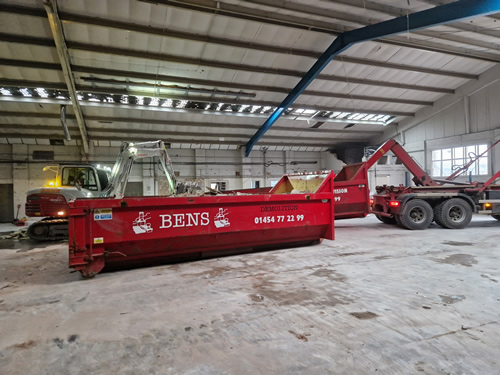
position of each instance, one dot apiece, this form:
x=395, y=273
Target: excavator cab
x=87, y=177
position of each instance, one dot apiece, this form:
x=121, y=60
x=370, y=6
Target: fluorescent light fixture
x=182, y=104
x=25, y=92
x=42, y=92
x=5, y=92
x=140, y=100
x=168, y=103
x=154, y=101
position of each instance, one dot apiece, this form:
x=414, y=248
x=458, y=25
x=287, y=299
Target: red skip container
x=108, y=232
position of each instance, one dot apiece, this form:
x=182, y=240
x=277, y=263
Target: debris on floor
x=19, y=235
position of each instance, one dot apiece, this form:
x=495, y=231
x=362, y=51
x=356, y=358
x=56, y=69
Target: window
x=446, y=161
x=83, y=175
x=218, y=185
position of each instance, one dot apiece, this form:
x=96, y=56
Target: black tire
x=397, y=218
x=454, y=213
x=437, y=217
x=417, y=215
x=496, y=217
x=386, y=219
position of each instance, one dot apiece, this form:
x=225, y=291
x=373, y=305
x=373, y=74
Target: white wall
x=469, y=117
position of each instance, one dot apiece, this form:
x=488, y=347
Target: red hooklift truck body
x=449, y=204
x=134, y=230
x=352, y=193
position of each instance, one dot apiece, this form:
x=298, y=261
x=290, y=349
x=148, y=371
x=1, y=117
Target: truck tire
x=496, y=217
x=417, y=215
x=386, y=219
x=398, y=221
x=437, y=217
x=454, y=213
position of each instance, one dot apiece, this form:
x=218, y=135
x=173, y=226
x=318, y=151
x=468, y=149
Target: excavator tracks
x=50, y=229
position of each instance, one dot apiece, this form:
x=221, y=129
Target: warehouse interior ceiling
x=207, y=74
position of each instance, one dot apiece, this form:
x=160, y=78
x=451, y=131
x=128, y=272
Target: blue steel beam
x=457, y=11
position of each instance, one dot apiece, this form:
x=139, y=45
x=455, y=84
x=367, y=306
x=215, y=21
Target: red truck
x=448, y=203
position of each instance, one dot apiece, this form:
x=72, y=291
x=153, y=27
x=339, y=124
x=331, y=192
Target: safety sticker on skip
x=103, y=214
x=98, y=240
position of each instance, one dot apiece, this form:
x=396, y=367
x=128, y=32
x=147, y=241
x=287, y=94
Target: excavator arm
x=131, y=152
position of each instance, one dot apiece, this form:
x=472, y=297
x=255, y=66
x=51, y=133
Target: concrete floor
x=378, y=299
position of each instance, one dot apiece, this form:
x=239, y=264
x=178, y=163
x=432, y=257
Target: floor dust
x=465, y=260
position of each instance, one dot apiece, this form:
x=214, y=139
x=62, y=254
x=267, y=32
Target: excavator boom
x=131, y=152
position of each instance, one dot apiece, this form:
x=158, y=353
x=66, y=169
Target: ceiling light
x=25, y=92
x=182, y=104
x=167, y=103
x=140, y=100
x=42, y=92
x=5, y=92
x=219, y=106
x=154, y=101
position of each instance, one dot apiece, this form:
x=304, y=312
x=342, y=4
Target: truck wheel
x=398, y=220
x=454, y=213
x=386, y=219
x=417, y=214
x=437, y=217
x=496, y=217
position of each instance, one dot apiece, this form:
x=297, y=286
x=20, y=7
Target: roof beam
x=396, y=12
x=196, y=81
x=166, y=134
x=187, y=124
x=217, y=64
x=62, y=52
x=60, y=86
x=321, y=94
x=206, y=39
x=437, y=16
x=362, y=21
x=183, y=140
x=283, y=19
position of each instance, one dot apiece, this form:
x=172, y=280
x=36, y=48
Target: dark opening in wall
x=57, y=142
x=43, y=155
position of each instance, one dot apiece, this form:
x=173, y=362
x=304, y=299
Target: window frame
x=445, y=161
